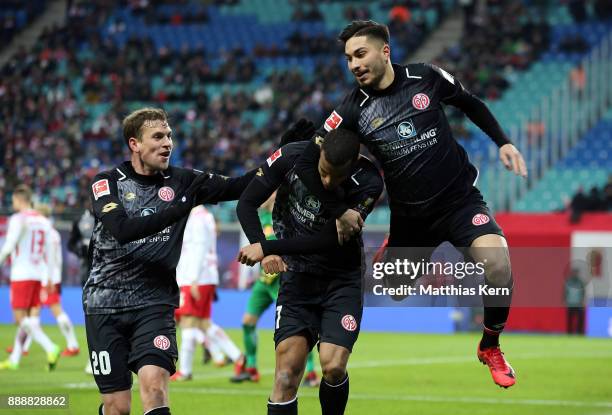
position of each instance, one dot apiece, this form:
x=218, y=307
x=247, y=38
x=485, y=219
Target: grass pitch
x=389, y=374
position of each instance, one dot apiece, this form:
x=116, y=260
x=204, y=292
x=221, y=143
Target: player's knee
x=287, y=380
x=249, y=320
x=154, y=395
x=334, y=372
x=498, y=271
x=117, y=407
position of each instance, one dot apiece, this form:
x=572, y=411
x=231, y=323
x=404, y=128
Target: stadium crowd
x=53, y=142
x=596, y=200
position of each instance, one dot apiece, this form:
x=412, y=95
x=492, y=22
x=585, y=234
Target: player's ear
x=133, y=143
x=387, y=52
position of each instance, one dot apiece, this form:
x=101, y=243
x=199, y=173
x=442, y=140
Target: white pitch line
x=225, y=374
x=412, y=398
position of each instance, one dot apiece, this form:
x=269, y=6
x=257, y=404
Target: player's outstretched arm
x=256, y=193
x=319, y=243
x=110, y=211
x=222, y=189
x=453, y=93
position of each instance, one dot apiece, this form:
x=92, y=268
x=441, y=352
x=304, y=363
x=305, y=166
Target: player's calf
x=286, y=383
x=153, y=387
x=334, y=388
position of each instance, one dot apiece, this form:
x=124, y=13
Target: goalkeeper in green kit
x=265, y=289
x=264, y=294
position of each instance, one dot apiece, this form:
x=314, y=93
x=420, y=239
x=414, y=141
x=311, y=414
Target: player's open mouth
x=165, y=155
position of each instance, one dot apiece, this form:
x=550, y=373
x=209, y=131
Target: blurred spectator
x=400, y=14
x=578, y=81
x=574, y=44
x=574, y=301
x=577, y=9
x=598, y=200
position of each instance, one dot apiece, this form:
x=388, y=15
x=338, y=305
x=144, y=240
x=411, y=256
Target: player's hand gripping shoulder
x=348, y=225
x=250, y=254
x=513, y=160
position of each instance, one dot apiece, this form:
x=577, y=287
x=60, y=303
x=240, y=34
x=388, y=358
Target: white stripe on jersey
x=198, y=262
x=412, y=76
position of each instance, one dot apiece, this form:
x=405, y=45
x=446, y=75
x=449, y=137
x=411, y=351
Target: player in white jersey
x=28, y=242
x=197, y=276
x=50, y=293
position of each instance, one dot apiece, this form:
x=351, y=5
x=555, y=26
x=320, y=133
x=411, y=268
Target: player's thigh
x=298, y=308
x=296, y=320
x=19, y=314
x=25, y=294
x=153, y=382
x=204, y=303
x=342, y=312
x=291, y=356
x=153, y=339
x=259, y=300
x=109, y=347
x=469, y=220
x=406, y=231
x=333, y=357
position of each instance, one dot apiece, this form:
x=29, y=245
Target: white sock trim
x=152, y=409
x=339, y=384
x=283, y=403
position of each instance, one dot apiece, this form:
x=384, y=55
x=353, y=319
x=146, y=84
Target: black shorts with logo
x=459, y=222
x=320, y=307
x=122, y=343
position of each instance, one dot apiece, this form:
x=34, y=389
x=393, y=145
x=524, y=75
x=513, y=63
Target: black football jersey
x=404, y=126
x=297, y=212
x=139, y=273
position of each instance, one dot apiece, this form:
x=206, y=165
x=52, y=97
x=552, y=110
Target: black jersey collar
x=127, y=168
x=397, y=81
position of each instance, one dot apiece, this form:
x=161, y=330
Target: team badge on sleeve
x=333, y=121
x=100, y=188
x=277, y=154
x=480, y=219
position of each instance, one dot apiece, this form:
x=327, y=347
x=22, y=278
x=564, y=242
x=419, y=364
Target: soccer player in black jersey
x=141, y=209
x=398, y=110
x=320, y=295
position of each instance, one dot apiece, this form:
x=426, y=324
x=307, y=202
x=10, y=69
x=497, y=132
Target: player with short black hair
x=398, y=111
x=141, y=209
x=320, y=297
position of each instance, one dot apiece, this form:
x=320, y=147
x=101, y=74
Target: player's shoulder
x=356, y=96
x=419, y=70
x=114, y=174
x=294, y=149
x=181, y=172
x=433, y=71
x=287, y=154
